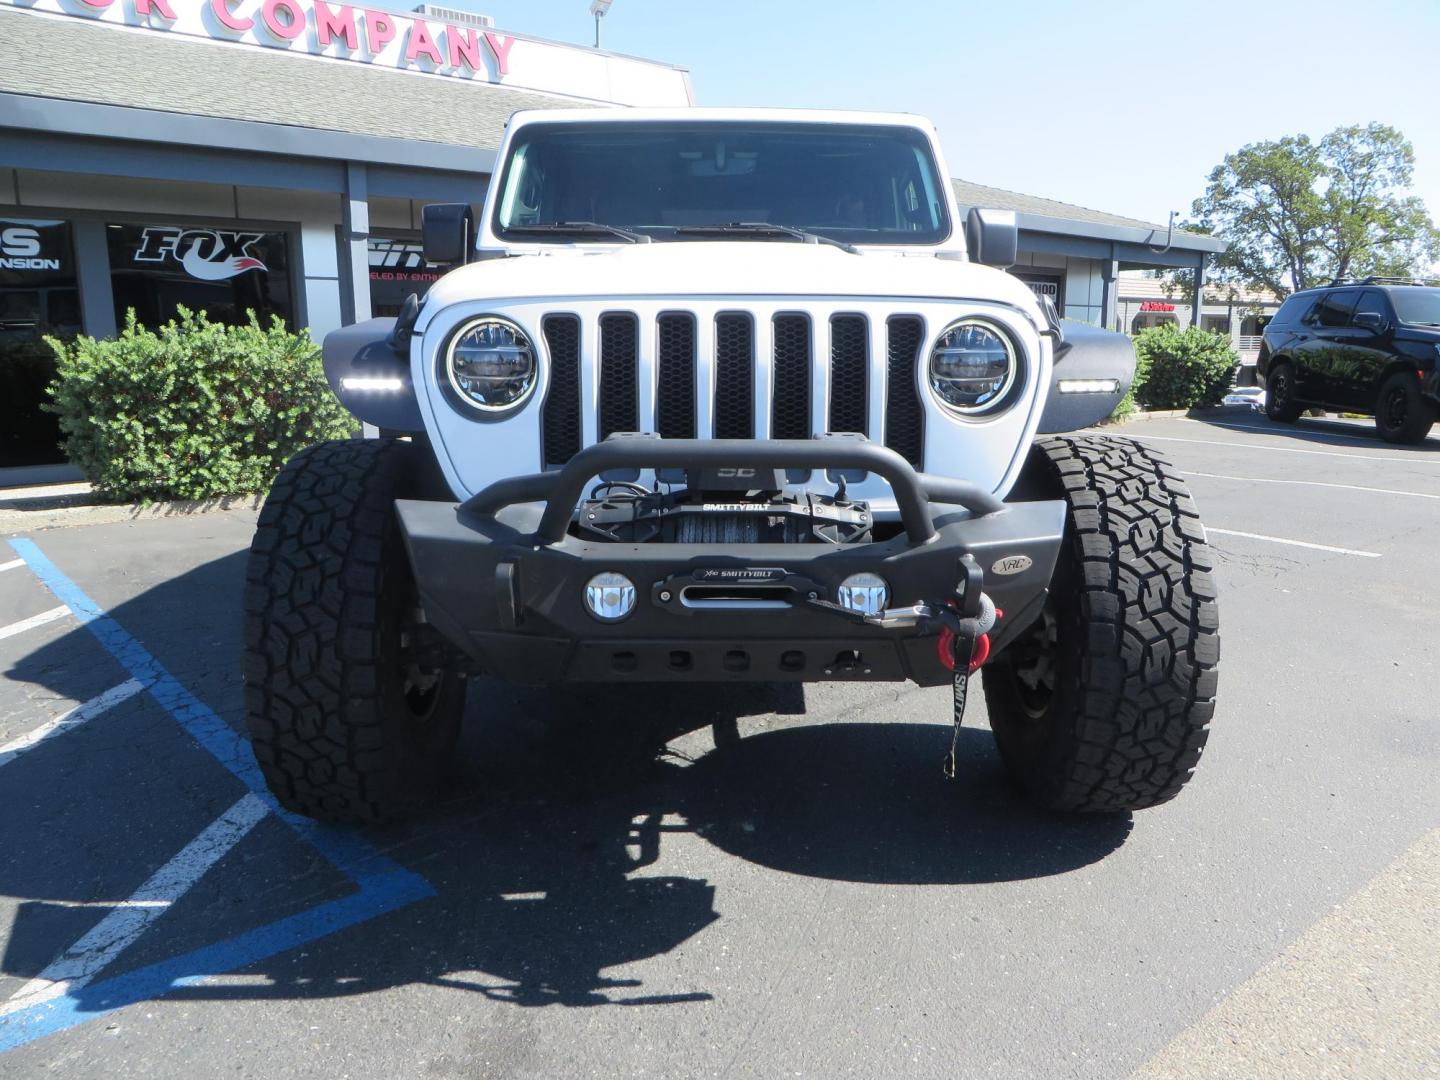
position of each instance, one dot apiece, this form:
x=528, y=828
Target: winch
x=723, y=506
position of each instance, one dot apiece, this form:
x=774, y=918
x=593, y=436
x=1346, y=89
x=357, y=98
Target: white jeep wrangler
x=714, y=395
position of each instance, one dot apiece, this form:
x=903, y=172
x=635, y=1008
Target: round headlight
x=972, y=367
x=491, y=365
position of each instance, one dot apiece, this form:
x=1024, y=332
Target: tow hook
x=945, y=643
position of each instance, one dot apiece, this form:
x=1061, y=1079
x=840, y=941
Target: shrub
x=1181, y=369
x=192, y=411
x=1127, y=406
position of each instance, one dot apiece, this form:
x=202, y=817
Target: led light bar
x=1089, y=386
x=363, y=382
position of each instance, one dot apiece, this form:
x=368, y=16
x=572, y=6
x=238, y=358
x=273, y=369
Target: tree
x=1298, y=213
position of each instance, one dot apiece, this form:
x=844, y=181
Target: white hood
x=725, y=268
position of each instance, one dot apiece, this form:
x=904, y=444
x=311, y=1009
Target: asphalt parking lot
x=731, y=881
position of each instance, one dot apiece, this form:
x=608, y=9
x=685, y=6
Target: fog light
x=865, y=593
x=610, y=596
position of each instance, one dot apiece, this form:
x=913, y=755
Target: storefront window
x=38, y=296
x=397, y=269
x=226, y=273
x=1045, y=285
x=1147, y=319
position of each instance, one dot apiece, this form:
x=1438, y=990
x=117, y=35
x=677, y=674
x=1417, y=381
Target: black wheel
x=1103, y=704
x=1402, y=415
x=1280, y=403
x=352, y=709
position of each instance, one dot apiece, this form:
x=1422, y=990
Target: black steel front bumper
x=501, y=577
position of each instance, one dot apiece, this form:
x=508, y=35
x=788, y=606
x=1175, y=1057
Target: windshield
x=852, y=183
x=1415, y=304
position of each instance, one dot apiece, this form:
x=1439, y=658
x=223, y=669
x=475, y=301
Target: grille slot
x=904, y=415
x=675, y=377
x=734, y=376
x=849, y=360
x=619, y=377
x=790, y=401
x=561, y=418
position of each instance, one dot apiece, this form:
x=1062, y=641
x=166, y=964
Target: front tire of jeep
x=352, y=709
x=1103, y=704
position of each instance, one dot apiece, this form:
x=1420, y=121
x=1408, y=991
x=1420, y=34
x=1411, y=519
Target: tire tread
x=316, y=572
x=1151, y=647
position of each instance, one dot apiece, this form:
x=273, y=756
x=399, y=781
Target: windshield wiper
x=763, y=228
x=581, y=228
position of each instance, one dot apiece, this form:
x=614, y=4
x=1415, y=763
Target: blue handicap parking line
x=383, y=884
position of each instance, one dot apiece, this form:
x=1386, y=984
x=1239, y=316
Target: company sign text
x=342, y=31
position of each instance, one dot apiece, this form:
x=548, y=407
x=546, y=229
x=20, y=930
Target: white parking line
x=1418, y=459
x=1311, y=432
x=13, y=564
x=70, y=720
x=116, y=932
x=1293, y=543
x=34, y=621
x=1312, y=483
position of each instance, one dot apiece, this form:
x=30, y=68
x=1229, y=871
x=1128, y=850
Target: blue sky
x=1120, y=106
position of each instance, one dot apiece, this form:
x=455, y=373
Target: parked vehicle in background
x=1371, y=347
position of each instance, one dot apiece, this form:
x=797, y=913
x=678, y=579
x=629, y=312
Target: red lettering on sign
x=379, y=31
x=500, y=46
x=290, y=27
x=221, y=10
x=419, y=42
x=338, y=23
x=464, y=45
x=1156, y=305
x=162, y=7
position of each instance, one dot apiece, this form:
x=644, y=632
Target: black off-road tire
x=1402, y=415
x=1130, y=636
x=1280, y=403
x=351, y=716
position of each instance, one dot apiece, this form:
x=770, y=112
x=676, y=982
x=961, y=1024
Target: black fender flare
x=1092, y=355
x=371, y=378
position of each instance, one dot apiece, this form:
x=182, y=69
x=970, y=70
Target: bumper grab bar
x=561, y=492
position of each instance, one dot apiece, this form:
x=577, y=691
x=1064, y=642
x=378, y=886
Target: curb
x=48, y=515
x=1178, y=414
x=1171, y=414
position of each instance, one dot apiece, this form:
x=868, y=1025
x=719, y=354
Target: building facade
x=239, y=155
x=1077, y=256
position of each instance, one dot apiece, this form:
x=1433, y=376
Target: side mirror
x=1372, y=321
x=446, y=232
x=992, y=237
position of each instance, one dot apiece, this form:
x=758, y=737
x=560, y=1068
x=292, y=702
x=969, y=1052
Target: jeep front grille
x=654, y=367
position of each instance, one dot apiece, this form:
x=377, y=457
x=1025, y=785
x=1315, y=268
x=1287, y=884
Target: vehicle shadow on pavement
x=1318, y=430
x=548, y=851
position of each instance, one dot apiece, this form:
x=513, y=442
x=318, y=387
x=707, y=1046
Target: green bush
x=193, y=411
x=1127, y=406
x=1182, y=369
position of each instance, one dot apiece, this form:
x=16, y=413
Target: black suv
x=1370, y=346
